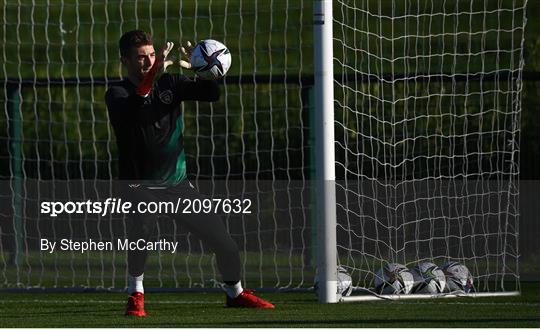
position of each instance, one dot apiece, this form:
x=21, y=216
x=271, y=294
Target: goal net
x=427, y=110
x=58, y=58
x=427, y=126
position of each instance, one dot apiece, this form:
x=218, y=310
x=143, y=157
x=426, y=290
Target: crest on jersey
x=166, y=96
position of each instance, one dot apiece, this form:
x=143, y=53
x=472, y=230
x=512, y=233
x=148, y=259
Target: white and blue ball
x=344, y=282
x=458, y=277
x=393, y=278
x=210, y=59
x=428, y=278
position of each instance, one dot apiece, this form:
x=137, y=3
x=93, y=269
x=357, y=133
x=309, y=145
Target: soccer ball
x=210, y=59
x=344, y=282
x=458, y=277
x=393, y=279
x=428, y=278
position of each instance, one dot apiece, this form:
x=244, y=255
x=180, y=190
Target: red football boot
x=135, y=305
x=247, y=299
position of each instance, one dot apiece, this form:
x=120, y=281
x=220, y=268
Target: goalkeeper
x=147, y=120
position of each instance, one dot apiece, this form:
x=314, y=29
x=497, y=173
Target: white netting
x=58, y=59
x=427, y=113
x=427, y=135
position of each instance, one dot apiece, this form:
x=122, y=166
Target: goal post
x=324, y=151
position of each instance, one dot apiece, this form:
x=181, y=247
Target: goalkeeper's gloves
x=185, y=61
x=158, y=68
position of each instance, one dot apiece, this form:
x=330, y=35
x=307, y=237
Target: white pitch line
x=44, y=301
x=202, y=302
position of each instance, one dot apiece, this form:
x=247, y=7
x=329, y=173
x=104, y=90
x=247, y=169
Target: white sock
x=135, y=284
x=233, y=291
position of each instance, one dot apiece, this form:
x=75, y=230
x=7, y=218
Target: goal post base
x=429, y=296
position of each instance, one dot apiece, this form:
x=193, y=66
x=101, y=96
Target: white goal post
x=324, y=146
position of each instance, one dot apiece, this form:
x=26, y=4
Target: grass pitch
x=292, y=310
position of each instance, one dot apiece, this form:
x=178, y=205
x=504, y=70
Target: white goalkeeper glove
x=158, y=68
x=185, y=60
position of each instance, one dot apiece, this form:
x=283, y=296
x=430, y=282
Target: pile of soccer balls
x=425, y=277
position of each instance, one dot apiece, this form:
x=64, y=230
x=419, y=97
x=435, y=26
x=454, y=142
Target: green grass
x=293, y=310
